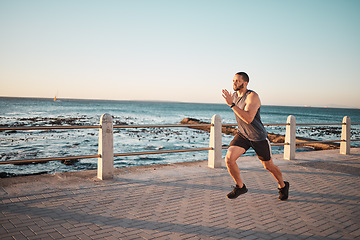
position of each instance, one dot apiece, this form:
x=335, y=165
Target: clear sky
x=304, y=52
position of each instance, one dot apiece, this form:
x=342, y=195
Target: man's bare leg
x=275, y=171
x=232, y=155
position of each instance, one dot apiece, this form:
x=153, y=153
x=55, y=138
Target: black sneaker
x=237, y=192
x=284, y=192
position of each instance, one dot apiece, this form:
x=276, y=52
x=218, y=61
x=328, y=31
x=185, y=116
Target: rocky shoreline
x=274, y=138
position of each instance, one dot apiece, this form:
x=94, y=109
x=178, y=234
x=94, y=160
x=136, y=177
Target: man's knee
x=233, y=154
x=229, y=159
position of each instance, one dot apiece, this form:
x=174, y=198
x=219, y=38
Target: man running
x=251, y=133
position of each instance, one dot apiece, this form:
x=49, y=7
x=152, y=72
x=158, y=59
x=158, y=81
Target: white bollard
x=105, y=169
x=345, y=136
x=214, y=159
x=290, y=138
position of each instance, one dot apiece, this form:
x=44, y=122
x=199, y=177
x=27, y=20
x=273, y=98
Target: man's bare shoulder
x=253, y=98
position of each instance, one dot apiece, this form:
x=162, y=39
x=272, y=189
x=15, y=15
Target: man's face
x=238, y=83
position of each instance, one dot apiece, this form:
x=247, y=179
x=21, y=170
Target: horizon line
x=169, y=101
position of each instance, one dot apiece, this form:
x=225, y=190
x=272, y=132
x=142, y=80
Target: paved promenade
x=188, y=201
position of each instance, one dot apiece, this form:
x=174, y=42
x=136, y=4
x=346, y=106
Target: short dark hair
x=244, y=76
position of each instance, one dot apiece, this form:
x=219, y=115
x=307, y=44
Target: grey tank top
x=255, y=131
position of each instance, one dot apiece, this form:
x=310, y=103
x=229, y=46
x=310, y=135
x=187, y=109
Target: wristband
x=232, y=105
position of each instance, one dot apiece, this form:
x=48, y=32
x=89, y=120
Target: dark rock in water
x=11, y=131
x=8, y=175
x=117, y=122
x=276, y=138
x=69, y=161
x=56, y=122
x=226, y=130
x=196, y=121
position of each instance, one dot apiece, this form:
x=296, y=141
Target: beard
x=239, y=88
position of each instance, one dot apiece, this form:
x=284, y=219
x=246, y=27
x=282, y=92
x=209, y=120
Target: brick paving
x=188, y=201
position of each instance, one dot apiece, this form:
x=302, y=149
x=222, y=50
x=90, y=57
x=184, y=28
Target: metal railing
x=105, y=157
x=162, y=151
x=302, y=124
x=24, y=161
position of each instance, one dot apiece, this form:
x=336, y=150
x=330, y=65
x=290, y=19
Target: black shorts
x=262, y=148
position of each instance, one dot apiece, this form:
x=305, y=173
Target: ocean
x=16, y=145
